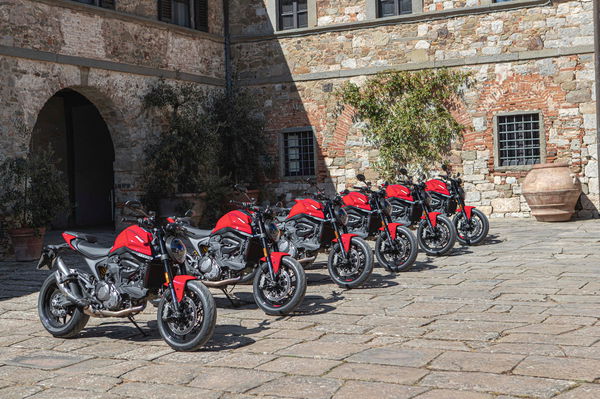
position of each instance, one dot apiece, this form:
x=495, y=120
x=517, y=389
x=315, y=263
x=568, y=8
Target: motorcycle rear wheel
x=357, y=271
x=471, y=232
x=59, y=320
x=394, y=260
x=196, y=326
x=441, y=240
x=283, y=295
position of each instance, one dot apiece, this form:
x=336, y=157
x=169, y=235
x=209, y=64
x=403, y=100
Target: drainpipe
x=227, y=52
x=596, y=12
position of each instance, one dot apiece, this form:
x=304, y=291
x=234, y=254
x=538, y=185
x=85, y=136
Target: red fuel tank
x=235, y=220
x=135, y=239
x=357, y=199
x=399, y=191
x=308, y=207
x=437, y=186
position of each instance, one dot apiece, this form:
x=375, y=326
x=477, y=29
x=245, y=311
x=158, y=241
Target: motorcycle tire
x=50, y=314
x=339, y=273
x=286, y=293
x=186, y=333
x=479, y=222
x=444, y=226
x=409, y=250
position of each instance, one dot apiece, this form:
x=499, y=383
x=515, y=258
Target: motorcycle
x=369, y=215
x=436, y=233
x=140, y=266
x=238, y=250
x=471, y=224
x=315, y=224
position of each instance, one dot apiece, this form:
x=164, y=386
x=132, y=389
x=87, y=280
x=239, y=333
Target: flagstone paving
x=517, y=317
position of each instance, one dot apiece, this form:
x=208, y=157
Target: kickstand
x=137, y=326
x=234, y=302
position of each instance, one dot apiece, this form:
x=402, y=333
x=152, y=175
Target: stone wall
x=523, y=59
x=340, y=11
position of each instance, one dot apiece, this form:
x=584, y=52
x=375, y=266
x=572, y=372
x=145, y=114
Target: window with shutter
x=164, y=10
x=201, y=15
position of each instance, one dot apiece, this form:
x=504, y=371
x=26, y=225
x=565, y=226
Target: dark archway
x=84, y=150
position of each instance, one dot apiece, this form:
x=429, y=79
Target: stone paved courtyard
x=517, y=317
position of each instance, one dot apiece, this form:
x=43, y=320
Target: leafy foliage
x=408, y=116
x=211, y=142
x=32, y=190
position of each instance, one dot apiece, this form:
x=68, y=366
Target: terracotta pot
x=28, y=243
x=178, y=205
x=551, y=191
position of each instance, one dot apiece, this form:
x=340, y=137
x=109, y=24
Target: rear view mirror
x=240, y=188
x=361, y=177
x=445, y=167
x=189, y=213
x=404, y=172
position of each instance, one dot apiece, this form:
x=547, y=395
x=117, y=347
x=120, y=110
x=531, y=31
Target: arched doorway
x=74, y=128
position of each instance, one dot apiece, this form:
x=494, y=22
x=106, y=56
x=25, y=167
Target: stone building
x=73, y=72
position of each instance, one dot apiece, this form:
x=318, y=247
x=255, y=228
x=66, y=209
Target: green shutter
x=164, y=10
x=201, y=15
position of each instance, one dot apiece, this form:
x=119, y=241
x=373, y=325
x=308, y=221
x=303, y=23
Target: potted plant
x=32, y=193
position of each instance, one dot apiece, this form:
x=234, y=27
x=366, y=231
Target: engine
x=358, y=222
x=121, y=283
x=301, y=237
x=224, y=253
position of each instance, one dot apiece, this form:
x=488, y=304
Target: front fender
x=179, y=283
x=468, y=211
x=275, y=260
x=346, y=240
x=432, y=218
x=393, y=229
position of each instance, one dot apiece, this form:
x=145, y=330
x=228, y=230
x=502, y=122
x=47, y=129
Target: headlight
x=387, y=208
x=273, y=231
x=176, y=249
x=341, y=216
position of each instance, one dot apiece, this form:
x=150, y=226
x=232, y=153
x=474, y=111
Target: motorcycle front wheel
x=398, y=257
x=195, y=325
x=439, y=240
x=283, y=294
x=354, y=271
x=59, y=316
x=474, y=231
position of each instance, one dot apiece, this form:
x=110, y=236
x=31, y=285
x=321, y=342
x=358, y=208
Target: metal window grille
x=388, y=8
x=299, y=153
x=293, y=14
x=518, y=139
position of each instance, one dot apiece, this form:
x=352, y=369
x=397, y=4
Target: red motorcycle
x=471, y=224
x=238, y=250
x=140, y=266
x=315, y=224
x=436, y=234
x=369, y=215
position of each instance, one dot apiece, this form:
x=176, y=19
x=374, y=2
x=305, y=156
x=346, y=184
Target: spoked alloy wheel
x=283, y=294
x=196, y=323
x=58, y=316
x=399, y=257
x=474, y=231
x=440, y=239
x=356, y=270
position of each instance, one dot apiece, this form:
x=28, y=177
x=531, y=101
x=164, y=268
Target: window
x=189, y=13
x=299, y=153
x=99, y=3
x=519, y=140
x=388, y=8
x=293, y=14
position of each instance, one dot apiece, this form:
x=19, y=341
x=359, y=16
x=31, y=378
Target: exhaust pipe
x=67, y=291
x=221, y=283
x=304, y=261
x=88, y=310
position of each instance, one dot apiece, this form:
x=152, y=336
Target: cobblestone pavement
x=517, y=317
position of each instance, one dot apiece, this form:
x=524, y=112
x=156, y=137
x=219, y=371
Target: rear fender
x=179, y=283
x=346, y=240
x=468, y=211
x=275, y=260
x=432, y=218
x=392, y=228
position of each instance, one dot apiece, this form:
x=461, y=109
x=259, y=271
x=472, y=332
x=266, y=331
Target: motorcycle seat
x=82, y=236
x=91, y=250
x=197, y=233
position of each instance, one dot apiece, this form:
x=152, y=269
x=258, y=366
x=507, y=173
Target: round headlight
x=341, y=216
x=387, y=207
x=273, y=232
x=176, y=249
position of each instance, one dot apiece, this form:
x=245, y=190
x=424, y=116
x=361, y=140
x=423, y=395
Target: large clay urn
x=551, y=191
x=27, y=242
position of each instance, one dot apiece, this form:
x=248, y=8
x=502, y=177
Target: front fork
x=164, y=257
x=265, y=245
